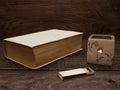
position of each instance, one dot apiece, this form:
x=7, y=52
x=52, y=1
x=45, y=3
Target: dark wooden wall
x=90, y=16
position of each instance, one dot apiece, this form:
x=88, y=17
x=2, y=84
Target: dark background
x=19, y=17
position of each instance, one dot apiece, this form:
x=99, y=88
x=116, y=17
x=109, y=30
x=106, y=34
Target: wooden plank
x=48, y=80
x=90, y=16
x=73, y=61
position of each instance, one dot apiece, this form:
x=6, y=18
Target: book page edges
x=5, y=53
x=33, y=53
x=45, y=63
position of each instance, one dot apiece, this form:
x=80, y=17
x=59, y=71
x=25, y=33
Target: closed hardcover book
x=41, y=48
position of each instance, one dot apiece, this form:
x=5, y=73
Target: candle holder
x=100, y=49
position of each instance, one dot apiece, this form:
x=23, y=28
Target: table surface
x=16, y=77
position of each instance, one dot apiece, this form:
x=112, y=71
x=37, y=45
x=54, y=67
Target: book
x=41, y=48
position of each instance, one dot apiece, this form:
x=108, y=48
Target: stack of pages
x=41, y=48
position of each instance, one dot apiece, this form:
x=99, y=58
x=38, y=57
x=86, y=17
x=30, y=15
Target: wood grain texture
x=75, y=60
x=19, y=17
x=48, y=80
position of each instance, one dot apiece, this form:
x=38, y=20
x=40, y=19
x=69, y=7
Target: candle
x=100, y=49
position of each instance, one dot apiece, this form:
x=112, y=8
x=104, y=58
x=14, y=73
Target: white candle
x=100, y=49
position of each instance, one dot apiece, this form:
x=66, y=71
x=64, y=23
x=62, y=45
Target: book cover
x=41, y=48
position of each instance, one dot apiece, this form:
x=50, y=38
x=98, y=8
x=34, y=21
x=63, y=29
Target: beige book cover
x=41, y=48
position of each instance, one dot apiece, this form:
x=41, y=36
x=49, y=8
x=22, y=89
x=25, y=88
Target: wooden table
x=16, y=77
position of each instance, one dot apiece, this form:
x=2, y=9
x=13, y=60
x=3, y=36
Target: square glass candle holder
x=100, y=49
